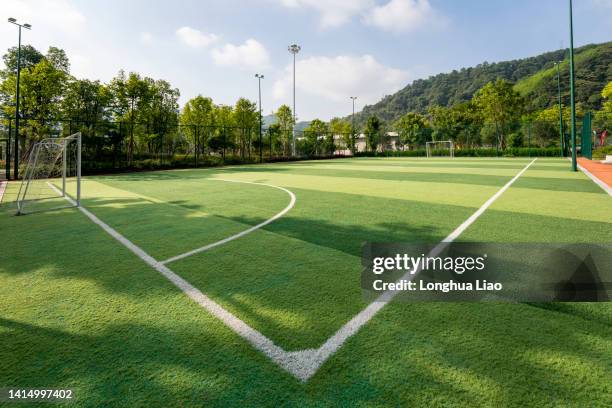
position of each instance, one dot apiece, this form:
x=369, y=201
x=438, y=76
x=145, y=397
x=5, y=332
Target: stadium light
x=572, y=86
x=259, y=78
x=16, y=161
x=294, y=49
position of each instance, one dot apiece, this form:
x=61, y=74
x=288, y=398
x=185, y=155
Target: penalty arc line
x=242, y=233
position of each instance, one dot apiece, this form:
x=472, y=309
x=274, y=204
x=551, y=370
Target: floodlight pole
x=353, y=125
x=259, y=78
x=16, y=161
x=572, y=90
x=294, y=49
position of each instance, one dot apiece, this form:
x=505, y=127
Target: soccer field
x=241, y=285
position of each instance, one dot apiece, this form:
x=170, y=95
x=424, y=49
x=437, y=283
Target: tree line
x=137, y=118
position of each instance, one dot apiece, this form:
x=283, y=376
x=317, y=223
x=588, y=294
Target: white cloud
x=146, y=37
x=195, y=38
x=333, y=13
x=251, y=54
x=393, y=15
x=403, y=16
x=58, y=15
x=335, y=79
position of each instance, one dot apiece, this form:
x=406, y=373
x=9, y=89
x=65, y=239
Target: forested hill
x=535, y=79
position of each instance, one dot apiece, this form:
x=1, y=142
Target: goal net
x=52, y=173
x=445, y=148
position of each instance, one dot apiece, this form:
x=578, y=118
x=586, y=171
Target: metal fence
x=112, y=146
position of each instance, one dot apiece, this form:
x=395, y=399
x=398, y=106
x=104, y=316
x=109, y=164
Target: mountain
x=535, y=78
x=271, y=119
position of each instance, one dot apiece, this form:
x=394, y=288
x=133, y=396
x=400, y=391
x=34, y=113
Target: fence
x=114, y=146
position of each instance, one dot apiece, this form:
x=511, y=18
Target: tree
x=224, y=118
x=246, y=118
x=342, y=128
x=315, y=136
x=499, y=104
x=372, y=131
x=603, y=118
x=410, y=129
x=197, y=116
x=284, y=115
x=30, y=56
x=129, y=95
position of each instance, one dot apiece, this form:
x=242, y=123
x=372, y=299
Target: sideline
x=596, y=180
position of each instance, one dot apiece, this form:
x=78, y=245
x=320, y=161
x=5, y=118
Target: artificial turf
x=79, y=310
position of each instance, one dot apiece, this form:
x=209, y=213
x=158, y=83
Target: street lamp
x=572, y=86
x=259, y=78
x=557, y=65
x=353, y=125
x=16, y=161
x=294, y=49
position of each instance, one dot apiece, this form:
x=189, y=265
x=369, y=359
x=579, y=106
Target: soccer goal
x=53, y=169
x=442, y=148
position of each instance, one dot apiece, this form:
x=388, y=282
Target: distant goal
x=52, y=172
x=445, y=148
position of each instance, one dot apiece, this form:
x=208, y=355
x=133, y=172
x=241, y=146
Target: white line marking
x=319, y=356
x=305, y=363
x=243, y=233
x=2, y=189
x=284, y=359
x=597, y=181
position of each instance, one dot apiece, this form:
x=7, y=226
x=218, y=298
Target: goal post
x=443, y=148
x=52, y=170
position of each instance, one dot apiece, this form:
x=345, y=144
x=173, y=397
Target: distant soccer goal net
x=53, y=172
x=445, y=148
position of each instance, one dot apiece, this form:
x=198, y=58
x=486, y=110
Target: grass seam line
x=242, y=233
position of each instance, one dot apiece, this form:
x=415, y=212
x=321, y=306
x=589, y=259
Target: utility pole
x=16, y=162
x=259, y=78
x=294, y=49
x=353, y=126
x=572, y=90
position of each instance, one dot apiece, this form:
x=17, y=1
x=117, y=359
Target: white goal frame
x=451, y=147
x=30, y=174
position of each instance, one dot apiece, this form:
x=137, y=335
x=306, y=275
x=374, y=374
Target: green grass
x=79, y=310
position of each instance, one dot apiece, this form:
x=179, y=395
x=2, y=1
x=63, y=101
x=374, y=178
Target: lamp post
x=259, y=78
x=562, y=141
x=16, y=163
x=294, y=49
x=353, y=98
x=572, y=86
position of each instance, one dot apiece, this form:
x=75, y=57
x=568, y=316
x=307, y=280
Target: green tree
x=411, y=129
x=342, y=128
x=196, y=118
x=284, y=116
x=246, y=118
x=499, y=104
x=373, y=133
x=315, y=136
x=603, y=118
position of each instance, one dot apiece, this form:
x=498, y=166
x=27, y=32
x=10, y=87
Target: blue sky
x=364, y=48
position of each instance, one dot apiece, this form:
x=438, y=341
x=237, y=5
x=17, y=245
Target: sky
x=362, y=48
